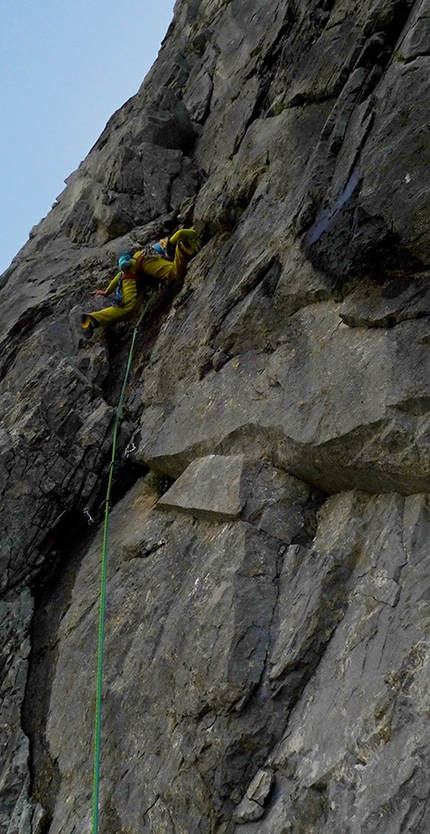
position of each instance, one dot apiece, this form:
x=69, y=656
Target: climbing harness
x=118, y=300
x=119, y=296
x=103, y=588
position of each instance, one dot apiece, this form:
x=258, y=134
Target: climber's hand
x=95, y=293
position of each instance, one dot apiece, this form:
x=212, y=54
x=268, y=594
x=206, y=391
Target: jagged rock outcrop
x=267, y=637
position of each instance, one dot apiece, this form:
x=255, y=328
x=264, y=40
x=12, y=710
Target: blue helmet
x=125, y=261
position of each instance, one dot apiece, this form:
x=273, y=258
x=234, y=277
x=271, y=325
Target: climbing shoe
x=189, y=240
x=88, y=326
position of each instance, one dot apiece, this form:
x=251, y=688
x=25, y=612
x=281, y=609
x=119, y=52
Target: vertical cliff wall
x=267, y=641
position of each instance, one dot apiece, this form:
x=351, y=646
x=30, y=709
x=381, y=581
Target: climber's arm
x=95, y=293
x=112, y=286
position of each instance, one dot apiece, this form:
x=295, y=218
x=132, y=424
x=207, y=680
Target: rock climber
x=166, y=260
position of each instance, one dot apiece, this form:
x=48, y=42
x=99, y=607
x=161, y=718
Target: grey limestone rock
x=267, y=630
x=252, y=805
x=195, y=660
x=396, y=299
x=19, y=812
x=361, y=788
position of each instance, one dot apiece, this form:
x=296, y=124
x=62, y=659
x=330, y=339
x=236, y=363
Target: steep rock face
x=267, y=636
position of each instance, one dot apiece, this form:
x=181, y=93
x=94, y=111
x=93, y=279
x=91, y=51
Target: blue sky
x=65, y=67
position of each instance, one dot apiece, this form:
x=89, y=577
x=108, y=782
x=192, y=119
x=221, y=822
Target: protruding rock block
x=252, y=805
x=224, y=487
x=209, y=488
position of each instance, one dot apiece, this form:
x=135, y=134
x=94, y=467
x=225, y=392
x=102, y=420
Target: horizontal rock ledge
x=338, y=407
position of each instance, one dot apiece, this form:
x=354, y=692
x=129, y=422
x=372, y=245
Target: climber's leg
x=111, y=315
x=189, y=239
x=165, y=270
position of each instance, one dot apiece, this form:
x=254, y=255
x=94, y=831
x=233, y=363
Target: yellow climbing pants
x=157, y=267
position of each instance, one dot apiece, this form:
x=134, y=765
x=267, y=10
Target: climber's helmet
x=125, y=262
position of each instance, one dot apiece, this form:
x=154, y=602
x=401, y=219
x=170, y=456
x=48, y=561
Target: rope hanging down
x=103, y=584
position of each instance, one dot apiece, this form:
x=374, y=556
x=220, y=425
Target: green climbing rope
x=103, y=586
